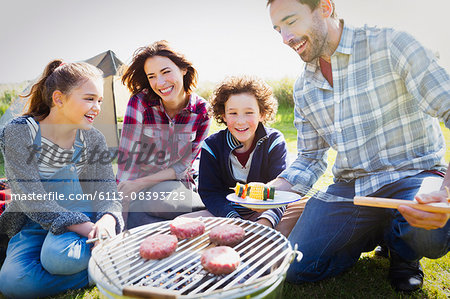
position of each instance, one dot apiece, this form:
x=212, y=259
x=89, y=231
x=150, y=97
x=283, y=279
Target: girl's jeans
x=40, y=263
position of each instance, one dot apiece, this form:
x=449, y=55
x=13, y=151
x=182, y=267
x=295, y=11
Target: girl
x=52, y=164
x=164, y=124
x=246, y=151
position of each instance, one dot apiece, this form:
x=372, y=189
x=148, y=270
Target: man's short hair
x=313, y=4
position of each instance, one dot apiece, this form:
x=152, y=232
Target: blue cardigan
x=216, y=177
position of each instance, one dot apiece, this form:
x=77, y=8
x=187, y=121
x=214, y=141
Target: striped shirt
x=151, y=141
x=380, y=116
x=53, y=157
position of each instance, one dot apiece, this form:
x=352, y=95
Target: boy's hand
x=265, y=222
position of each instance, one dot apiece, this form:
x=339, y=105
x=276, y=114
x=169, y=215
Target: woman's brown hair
x=135, y=78
x=57, y=76
x=267, y=104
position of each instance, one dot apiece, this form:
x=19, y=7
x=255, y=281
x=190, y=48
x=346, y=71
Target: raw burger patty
x=185, y=228
x=227, y=234
x=158, y=247
x=220, y=260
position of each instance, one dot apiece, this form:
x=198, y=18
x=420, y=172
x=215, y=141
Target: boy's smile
x=242, y=116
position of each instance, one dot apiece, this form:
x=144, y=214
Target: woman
x=52, y=164
x=164, y=124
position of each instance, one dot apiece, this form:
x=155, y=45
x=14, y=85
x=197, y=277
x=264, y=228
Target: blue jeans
x=332, y=235
x=150, y=211
x=40, y=263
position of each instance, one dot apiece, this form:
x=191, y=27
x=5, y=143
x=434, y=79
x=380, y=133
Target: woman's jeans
x=332, y=235
x=155, y=207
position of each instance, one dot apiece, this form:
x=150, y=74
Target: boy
x=246, y=151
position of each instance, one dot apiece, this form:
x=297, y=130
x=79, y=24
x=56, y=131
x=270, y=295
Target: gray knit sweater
x=23, y=177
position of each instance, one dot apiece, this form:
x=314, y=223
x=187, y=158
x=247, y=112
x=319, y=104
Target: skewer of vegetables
x=257, y=191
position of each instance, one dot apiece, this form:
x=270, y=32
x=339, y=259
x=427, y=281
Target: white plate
x=281, y=198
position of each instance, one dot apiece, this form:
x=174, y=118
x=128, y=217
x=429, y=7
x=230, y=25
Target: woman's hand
x=129, y=187
x=426, y=220
x=105, y=227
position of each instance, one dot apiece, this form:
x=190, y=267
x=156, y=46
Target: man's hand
x=280, y=184
x=426, y=220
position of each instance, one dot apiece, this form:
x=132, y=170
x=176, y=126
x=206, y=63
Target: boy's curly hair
x=268, y=105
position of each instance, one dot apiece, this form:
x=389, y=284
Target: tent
x=115, y=98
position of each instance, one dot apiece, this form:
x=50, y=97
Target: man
x=373, y=95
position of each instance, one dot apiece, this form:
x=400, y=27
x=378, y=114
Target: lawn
x=368, y=278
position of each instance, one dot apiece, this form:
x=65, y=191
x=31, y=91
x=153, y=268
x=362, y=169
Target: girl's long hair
x=57, y=76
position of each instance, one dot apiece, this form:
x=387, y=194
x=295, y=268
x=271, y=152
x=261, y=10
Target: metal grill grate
x=264, y=253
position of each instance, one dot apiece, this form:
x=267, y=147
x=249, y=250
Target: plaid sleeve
x=129, y=145
x=201, y=127
x=428, y=82
x=312, y=153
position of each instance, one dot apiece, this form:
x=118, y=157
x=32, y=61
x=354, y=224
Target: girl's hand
x=105, y=227
x=83, y=229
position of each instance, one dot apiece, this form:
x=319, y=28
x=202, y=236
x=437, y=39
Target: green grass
x=368, y=278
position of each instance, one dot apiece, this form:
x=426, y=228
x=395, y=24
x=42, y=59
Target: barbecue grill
x=119, y=271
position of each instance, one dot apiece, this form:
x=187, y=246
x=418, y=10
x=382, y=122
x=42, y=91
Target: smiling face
x=166, y=80
x=303, y=30
x=81, y=105
x=242, y=116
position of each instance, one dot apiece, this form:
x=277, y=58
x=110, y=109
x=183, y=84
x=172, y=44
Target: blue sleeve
x=277, y=163
x=277, y=155
x=212, y=189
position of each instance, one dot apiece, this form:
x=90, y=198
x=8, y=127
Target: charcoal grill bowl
x=270, y=289
x=269, y=286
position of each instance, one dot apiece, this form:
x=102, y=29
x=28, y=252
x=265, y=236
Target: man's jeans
x=332, y=235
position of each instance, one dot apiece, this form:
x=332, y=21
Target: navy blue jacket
x=216, y=177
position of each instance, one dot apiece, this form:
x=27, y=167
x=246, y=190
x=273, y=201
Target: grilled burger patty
x=220, y=260
x=227, y=234
x=184, y=227
x=157, y=247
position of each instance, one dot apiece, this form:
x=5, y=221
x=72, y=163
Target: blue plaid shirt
x=380, y=116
